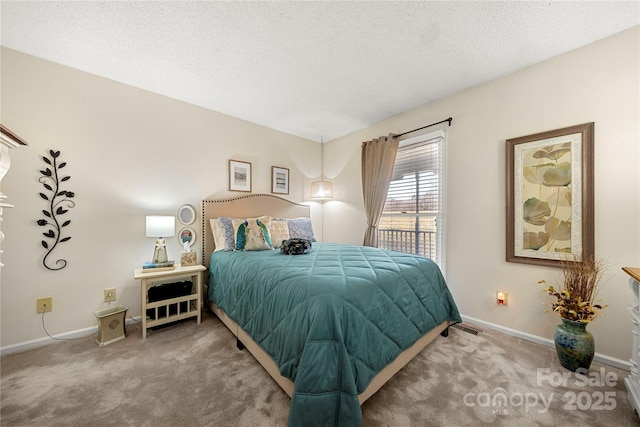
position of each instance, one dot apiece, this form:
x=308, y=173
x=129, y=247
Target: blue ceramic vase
x=574, y=344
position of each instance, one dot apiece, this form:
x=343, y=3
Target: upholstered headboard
x=252, y=205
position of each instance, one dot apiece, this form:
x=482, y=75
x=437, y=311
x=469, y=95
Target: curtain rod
x=424, y=127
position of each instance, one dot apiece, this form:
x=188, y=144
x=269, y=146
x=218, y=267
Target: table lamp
x=159, y=226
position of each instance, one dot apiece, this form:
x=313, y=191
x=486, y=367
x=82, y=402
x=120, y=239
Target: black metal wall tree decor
x=59, y=202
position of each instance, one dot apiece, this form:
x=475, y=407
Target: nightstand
x=178, y=308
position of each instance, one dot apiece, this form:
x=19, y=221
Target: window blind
x=413, y=215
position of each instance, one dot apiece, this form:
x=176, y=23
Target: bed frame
x=255, y=205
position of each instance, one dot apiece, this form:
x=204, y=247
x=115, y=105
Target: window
x=414, y=214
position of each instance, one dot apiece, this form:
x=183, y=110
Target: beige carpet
x=193, y=375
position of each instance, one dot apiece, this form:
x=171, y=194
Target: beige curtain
x=378, y=158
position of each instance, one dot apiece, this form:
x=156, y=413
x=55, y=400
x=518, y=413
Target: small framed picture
x=239, y=176
x=187, y=237
x=279, y=180
x=186, y=215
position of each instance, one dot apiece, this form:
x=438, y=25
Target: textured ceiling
x=313, y=69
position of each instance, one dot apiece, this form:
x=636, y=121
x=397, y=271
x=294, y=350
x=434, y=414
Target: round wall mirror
x=187, y=235
x=186, y=214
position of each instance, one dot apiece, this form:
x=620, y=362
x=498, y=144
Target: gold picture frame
x=550, y=196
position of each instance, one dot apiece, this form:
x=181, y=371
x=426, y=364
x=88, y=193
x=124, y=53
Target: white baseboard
x=41, y=342
x=602, y=358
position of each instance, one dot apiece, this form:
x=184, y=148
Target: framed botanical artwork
x=239, y=176
x=279, y=180
x=550, y=206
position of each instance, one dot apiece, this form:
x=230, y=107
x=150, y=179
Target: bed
x=331, y=326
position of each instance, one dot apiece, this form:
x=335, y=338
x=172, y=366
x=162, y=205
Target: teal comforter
x=331, y=319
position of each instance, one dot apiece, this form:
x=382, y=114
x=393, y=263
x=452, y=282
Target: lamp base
x=160, y=252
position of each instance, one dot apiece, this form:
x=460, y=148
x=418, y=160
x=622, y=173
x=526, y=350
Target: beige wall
x=598, y=83
x=130, y=153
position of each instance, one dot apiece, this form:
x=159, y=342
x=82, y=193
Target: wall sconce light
x=502, y=297
x=321, y=190
x=160, y=227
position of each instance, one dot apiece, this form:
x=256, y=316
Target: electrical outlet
x=44, y=304
x=110, y=295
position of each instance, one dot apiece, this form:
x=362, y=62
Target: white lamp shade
x=161, y=226
x=321, y=190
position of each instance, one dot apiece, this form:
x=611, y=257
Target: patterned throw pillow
x=301, y=228
x=223, y=233
x=218, y=234
x=295, y=247
x=279, y=231
x=252, y=234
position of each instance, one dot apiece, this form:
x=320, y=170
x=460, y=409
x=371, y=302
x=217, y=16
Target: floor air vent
x=467, y=328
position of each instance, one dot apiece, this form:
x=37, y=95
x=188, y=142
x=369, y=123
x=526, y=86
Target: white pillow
x=218, y=234
x=279, y=231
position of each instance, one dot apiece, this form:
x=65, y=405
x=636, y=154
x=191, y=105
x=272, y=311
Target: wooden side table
x=193, y=301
